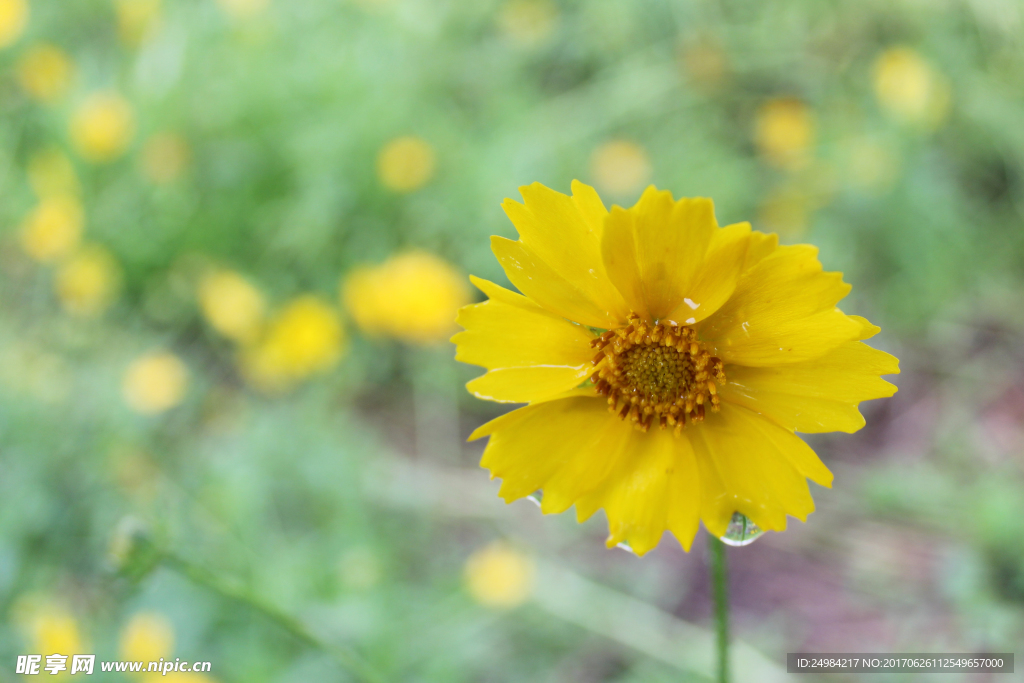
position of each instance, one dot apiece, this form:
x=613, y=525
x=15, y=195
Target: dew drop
x=535, y=497
x=625, y=546
x=741, y=531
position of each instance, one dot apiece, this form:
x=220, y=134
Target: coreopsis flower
x=305, y=338
x=88, y=283
x=47, y=625
x=666, y=362
x=13, y=17
x=412, y=296
x=102, y=127
x=232, y=305
x=910, y=89
x=784, y=132
x=45, y=72
x=53, y=229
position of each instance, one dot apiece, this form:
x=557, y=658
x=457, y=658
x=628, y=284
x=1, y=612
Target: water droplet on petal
x=535, y=497
x=741, y=531
x=625, y=546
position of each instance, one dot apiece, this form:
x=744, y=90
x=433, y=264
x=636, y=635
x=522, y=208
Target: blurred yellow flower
x=53, y=229
x=232, y=305
x=44, y=71
x=305, y=338
x=103, y=127
x=13, y=17
x=620, y=167
x=136, y=19
x=88, y=282
x=528, y=22
x=910, y=89
x=784, y=132
x=165, y=156
x=413, y=297
x=154, y=383
x=498, y=575
x=243, y=9
x=48, y=627
x=51, y=173
x=147, y=637
x=406, y=164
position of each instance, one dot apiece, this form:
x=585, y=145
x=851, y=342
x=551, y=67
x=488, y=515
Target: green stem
x=344, y=657
x=720, y=591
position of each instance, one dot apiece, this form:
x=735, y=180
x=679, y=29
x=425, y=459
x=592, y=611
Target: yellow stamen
x=656, y=374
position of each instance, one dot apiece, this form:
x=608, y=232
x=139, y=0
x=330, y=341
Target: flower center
x=656, y=374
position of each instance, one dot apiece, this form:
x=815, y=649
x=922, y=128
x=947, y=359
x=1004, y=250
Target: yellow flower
x=620, y=167
x=103, y=127
x=406, y=164
x=53, y=229
x=232, y=305
x=136, y=19
x=784, y=132
x=498, y=575
x=413, y=297
x=721, y=340
x=154, y=383
x=165, y=156
x=13, y=17
x=528, y=22
x=304, y=339
x=147, y=637
x=87, y=283
x=910, y=89
x=45, y=72
x=49, y=627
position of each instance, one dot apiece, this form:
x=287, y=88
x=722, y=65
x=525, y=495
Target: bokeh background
x=233, y=234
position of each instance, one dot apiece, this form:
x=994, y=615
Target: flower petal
x=753, y=466
x=557, y=260
x=510, y=331
x=653, y=487
x=814, y=396
x=526, y=385
x=783, y=311
x=716, y=280
x=529, y=446
x=653, y=251
x=529, y=352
